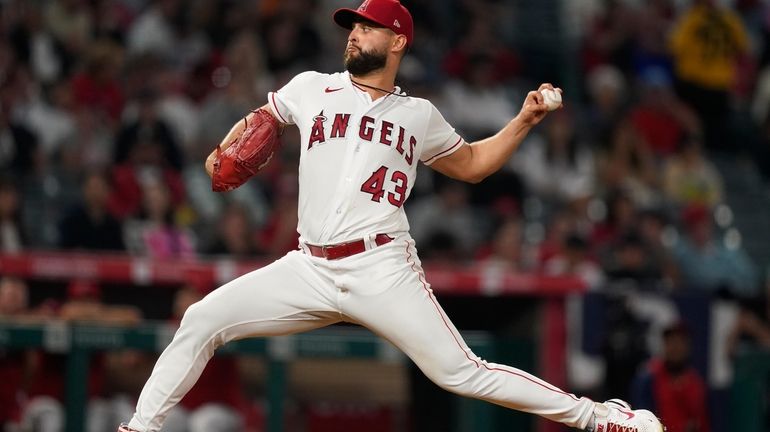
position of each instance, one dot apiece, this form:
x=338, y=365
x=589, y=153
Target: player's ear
x=399, y=44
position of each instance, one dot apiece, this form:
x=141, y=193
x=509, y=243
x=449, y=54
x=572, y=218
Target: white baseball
x=551, y=98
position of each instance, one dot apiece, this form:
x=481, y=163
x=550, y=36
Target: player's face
x=367, y=48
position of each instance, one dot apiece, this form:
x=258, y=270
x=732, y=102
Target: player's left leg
x=389, y=295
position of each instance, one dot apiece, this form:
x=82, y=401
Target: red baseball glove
x=247, y=154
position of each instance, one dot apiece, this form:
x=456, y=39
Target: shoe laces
x=614, y=427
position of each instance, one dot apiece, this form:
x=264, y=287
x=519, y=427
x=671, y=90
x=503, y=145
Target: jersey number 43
x=375, y=185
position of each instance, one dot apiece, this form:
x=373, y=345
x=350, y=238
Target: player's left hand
x=534, y=108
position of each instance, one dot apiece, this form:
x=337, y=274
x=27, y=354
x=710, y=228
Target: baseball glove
x=247, y=154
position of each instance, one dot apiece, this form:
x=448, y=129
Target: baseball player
x=361, y=140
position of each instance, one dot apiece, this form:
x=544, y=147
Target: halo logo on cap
x=363, y=6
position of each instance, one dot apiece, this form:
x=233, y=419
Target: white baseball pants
x=383, y=289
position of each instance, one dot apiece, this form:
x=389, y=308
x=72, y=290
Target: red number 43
x=375, y=186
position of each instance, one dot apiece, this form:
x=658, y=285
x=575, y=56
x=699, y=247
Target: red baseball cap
x=387, y=13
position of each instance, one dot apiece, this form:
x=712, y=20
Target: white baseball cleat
x=616, y=415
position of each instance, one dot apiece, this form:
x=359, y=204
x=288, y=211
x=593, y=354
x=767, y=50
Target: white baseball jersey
x=357, y=167
x=359, y=157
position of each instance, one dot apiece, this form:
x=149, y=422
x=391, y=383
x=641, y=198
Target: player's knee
x=200, y=317
x=458, y=381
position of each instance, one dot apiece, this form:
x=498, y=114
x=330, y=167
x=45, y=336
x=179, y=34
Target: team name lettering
x=387, y=133
x=365, y=131
x=340, y=125
x=317, y=133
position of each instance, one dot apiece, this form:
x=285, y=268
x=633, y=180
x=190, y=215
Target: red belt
x=342, y=250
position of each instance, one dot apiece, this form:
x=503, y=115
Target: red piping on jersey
x=421, y=277
x=439, y=154
x=277, y=111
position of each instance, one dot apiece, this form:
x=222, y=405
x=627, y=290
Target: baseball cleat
x=124, y=428
x=616, y=415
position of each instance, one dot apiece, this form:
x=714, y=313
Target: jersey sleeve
x=441, y=139
x=285, y=102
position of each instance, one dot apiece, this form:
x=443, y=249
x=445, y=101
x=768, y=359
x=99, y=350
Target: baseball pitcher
x=361, y=140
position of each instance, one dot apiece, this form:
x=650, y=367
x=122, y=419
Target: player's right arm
x=475, y=161
x=231, y=137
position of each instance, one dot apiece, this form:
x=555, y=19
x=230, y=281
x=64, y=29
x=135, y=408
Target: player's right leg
x=388, y=294
x=287, y=296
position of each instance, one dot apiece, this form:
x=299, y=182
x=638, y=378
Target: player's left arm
x=476, y=161
x=231, y=137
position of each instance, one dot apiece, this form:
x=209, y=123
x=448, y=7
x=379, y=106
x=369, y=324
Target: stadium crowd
x=109, y=107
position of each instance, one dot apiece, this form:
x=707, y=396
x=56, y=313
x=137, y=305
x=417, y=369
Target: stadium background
x=640, y=209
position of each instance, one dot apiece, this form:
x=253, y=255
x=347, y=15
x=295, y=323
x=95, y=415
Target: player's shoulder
x=418, y=103
x=314, y=77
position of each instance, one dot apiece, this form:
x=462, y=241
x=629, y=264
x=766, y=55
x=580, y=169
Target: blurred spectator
x=153, y=32
x=575, y=260
x=89, y=225
x=216, y=402
x=654, y=230
x=480, y=43
x=235, y=236
x=556, y=166
x=621, y=218
x=177, y=111
x=70, y=21
x=623, y=349
x=660, y=118
x=707, y=43
x=18, y=144
x=691, y=179
x=445, y=221
x=609, y=40
x=654, y=21
x=708, y=264
x=97, y=85
x=14, y=297
x=629, y=260
x=608, y=93
x=476, y=103
x=92, y=142
x=50, y=115
x=154, y=232
x=504, y=251
x=630, y=165
x=145, y=166
x=111, y=19
x=751, y=330
x=291, y=40
x=671, y=387
x=561, y=224
x=148, y=126
x=11, y=231
x=279, y=234
x=36, y=45
x=84, y=304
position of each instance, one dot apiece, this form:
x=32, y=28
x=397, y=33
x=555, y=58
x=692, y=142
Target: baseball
x=552, y=98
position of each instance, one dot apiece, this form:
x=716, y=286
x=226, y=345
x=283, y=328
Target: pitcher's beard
x=365, y=62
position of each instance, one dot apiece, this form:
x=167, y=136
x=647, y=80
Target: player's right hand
x=534, y=110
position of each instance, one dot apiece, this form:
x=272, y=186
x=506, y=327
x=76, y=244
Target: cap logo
x=363, y=6
x=397, y=24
